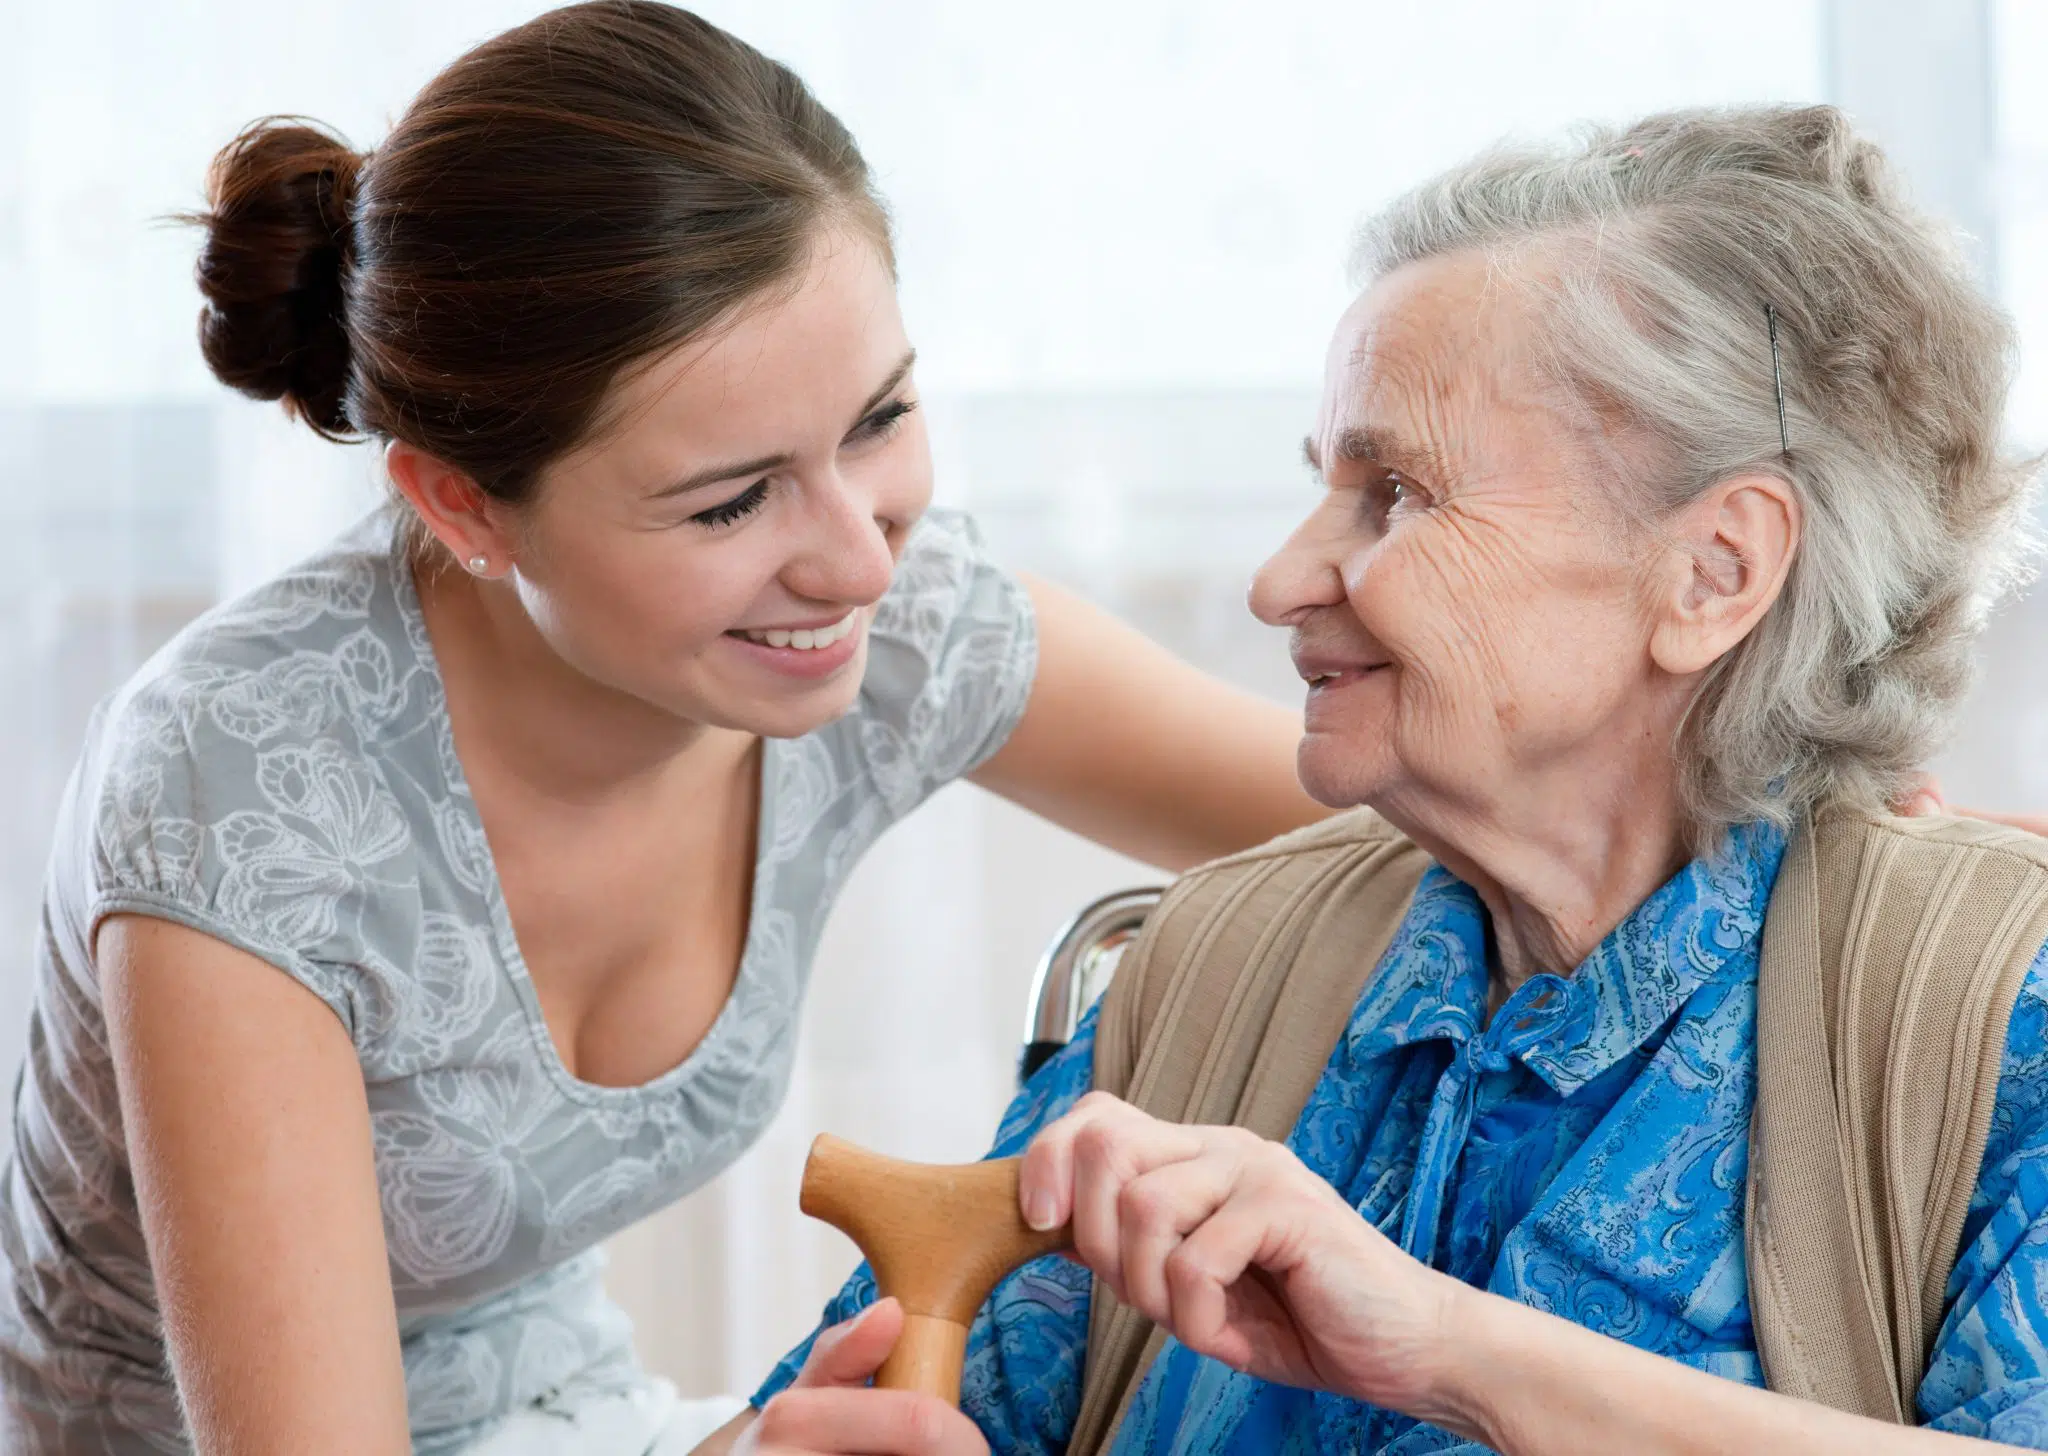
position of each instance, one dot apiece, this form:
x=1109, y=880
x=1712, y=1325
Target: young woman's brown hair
x=442, y=923
x=578, y=195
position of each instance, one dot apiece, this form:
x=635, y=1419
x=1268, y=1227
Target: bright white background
x=1123, y=225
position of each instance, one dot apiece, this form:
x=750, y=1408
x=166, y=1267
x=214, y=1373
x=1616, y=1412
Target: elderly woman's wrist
x=1473, y=1351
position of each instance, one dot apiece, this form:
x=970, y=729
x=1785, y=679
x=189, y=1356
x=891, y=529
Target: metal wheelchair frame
x=1076, y=969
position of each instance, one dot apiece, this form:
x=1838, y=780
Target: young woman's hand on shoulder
x=249, y=1134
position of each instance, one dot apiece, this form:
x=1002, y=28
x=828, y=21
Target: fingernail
x=1038, y=1210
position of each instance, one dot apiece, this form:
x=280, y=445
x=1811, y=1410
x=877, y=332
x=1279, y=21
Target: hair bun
x=278, y=240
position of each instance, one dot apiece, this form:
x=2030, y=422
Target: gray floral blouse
x=283, y=778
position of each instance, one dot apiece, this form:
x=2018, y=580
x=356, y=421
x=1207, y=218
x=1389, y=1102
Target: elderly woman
x=1661, y=501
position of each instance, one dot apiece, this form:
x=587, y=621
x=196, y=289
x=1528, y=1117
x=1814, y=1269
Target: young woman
x=444, y=906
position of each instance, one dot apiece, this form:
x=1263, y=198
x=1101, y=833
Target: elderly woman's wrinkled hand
x=1242, y=1254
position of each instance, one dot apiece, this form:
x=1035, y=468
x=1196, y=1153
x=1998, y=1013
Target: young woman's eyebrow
x=714, y=474
x=888, y=386
x=717, y=474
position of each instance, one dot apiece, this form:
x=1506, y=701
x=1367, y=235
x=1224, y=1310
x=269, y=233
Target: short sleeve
x=235, y=801
x=952, y=655
x=1988, y=1377
x=1021, y=1382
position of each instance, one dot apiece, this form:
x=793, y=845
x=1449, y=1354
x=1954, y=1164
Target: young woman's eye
x=883, y=422
x=737, y=509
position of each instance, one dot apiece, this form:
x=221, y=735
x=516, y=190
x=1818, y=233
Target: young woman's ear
x=452, y=506
x=1732, y=551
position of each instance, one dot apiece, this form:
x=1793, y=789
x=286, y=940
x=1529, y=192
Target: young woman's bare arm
x=1131, y=746
x=250, y=1139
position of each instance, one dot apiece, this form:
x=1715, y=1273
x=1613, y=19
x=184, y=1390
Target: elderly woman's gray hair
x=1652, y=253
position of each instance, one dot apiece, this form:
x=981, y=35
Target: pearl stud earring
x=478, y=565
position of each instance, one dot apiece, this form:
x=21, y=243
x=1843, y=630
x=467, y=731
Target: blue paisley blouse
x=1583, y=1152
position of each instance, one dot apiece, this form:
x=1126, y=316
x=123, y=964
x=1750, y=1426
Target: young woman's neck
x=538, y=721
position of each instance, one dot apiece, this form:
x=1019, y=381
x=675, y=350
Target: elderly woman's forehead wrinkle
x=1405, y=412
x=1429, y=356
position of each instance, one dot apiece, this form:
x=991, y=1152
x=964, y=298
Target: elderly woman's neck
x=1557, y=878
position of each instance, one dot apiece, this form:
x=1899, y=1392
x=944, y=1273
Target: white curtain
x=1123, y=229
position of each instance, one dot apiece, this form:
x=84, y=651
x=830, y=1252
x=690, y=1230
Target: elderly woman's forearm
x=1531, y=1384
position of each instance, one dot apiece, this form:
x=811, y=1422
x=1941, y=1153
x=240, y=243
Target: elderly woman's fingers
x=1111, y=1131
x=1215, y=1302
x=1045, y=1179
x=1156, y=1210
x=862, y=1423
x=1107, y=1153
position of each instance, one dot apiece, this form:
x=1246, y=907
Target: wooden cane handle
x=938, y=1237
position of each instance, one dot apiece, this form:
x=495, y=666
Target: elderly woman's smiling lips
x=1330, y=668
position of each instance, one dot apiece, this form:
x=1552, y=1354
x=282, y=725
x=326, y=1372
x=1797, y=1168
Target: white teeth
x=806, y=639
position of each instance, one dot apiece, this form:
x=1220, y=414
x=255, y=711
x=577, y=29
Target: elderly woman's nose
x=1297, y=578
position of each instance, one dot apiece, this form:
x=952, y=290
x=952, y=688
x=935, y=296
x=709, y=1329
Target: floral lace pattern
x=1585, y=1153
x=282, y=777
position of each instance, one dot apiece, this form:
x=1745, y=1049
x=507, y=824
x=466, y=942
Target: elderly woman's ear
x=1727, y=555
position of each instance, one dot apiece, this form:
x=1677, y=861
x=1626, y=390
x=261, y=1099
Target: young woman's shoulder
x=239, y=782
x=952, y=654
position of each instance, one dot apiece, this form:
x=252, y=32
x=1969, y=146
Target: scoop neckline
x=724, y=1028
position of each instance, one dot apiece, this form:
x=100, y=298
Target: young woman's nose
x=849, y=557
x=1301, y=576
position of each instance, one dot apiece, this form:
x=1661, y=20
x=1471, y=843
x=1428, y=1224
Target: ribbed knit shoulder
x=1219, y=923
x=1949, y=831
x=1892, y=957
x=1352, y=829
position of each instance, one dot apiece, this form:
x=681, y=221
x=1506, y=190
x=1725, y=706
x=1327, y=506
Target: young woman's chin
x=769, y=719
x=778, y=692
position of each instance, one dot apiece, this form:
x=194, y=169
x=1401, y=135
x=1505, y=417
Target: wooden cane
x=938, y=1237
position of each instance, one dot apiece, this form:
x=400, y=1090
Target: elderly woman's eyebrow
x=1375, y=447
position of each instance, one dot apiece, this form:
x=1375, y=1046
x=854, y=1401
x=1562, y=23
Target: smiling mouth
x=803, y=639
x=1325, y=679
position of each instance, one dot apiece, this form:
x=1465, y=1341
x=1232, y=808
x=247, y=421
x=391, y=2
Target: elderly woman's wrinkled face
x=1466, y=610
